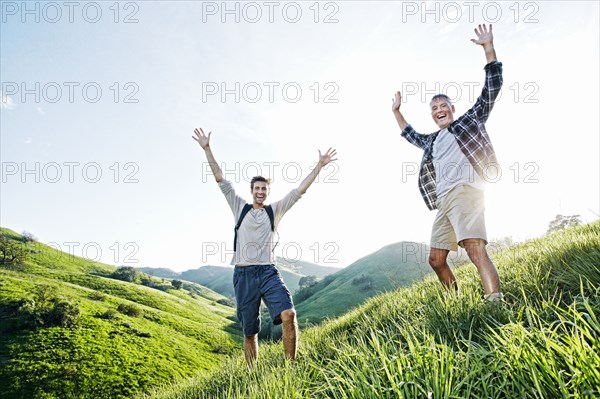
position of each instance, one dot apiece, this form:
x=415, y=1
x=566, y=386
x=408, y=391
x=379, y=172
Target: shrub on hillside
x=308, y=290
x=177, y=284
x=227, y=302
x=12, y=253
x=143, y=334
x=97, y=296
x=562, y=222
x=27, y=237
x=44, y=311
x=308, y=281
x=163, y=287
x=19, y=314
x=130, y=310
x=327, y=280
x=364, y=282
x=64, y=313
x=303, y=294
x=146, y=280
x=110, y=314
x=127, y=273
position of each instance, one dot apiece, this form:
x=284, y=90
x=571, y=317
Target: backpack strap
x=245, y=210
x=269, y=210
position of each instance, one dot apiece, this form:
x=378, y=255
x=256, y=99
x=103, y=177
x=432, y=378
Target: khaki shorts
x=460, y=216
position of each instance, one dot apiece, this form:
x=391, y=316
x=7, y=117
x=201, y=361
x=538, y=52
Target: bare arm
x=204, y=142
x=323, y=160
x=396, y=101
x=486, y=39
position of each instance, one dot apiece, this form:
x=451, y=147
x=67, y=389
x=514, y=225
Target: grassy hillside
x=68, y=330
x=389, y=268
x=543, y=341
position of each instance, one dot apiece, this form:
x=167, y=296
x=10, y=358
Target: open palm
x=324, y=159
x=201, y=138
x=484, y=36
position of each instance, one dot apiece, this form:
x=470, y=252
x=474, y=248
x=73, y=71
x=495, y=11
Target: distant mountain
x=162, y=272
x=305, y=268
x=219, y=278
x=387, y=269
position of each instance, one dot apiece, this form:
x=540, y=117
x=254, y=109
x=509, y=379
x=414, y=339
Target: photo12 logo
x=122, y=253
x=69, y=172
x=254, y=92
x=518, y=92
x=290, y=172
x=270, y=12
x=69, y=11
x=316, y=252
x=54, y=92
x=474, y=11
x=521, y=172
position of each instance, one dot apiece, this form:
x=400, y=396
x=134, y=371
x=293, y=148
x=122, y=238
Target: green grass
x=128, y=338
x=422, y=342
x=387, y=269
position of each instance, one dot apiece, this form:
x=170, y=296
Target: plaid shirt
x=469, y=131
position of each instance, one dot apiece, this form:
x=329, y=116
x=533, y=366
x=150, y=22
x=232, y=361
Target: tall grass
x=422, y=342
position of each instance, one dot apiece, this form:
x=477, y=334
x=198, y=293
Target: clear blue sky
x=100, y=99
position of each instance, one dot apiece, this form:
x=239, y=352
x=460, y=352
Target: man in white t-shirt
x=457, y=159
x=255, y=276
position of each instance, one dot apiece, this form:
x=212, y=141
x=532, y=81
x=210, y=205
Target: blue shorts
x=253, y=283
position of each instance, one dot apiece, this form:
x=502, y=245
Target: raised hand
x=327, y=157
x=483, y=35
x=324, y=159
x=396, y=101
x=201, y=138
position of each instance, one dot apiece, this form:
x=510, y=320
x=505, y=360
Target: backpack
x=245, y=210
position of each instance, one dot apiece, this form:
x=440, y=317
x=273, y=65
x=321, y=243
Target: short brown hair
x=259, y=178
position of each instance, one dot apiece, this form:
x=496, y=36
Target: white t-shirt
x=451, y=165
x=255, y=238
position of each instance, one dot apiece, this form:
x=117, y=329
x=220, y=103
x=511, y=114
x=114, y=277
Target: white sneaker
x=494, y=296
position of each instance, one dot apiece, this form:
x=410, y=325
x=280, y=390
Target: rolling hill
x=542, y=341
x=393, y=266
x=67, y=329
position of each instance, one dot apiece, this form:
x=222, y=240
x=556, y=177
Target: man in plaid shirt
x=457, y=160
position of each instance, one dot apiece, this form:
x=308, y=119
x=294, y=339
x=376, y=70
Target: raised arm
x=204, y=142
x=486, y=39
x=323, y=160
x=396, y=101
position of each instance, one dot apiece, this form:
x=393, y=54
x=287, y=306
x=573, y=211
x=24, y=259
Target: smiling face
x=442, y=111
x=260, y=191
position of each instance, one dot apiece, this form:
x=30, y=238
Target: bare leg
x=251, y=348
x=290, y=333
x=437, y=260
x=487, y=271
